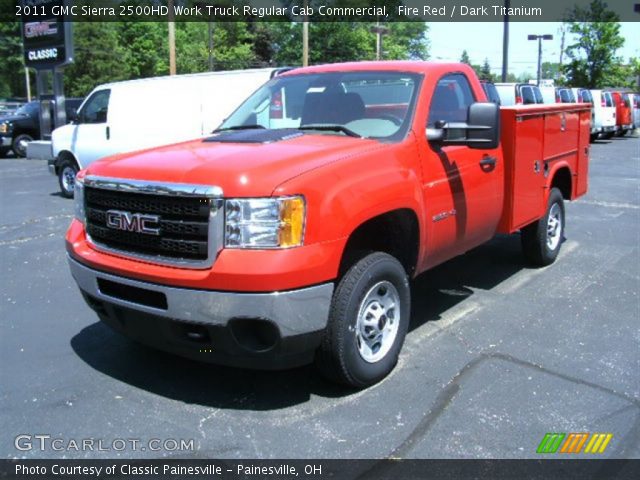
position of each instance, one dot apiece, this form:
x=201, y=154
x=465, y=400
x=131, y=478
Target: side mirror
x=72, y=115
x=481, y=131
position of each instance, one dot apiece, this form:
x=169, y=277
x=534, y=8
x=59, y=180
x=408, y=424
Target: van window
x=451, y=100
x=528, y=97
x=537, y=94
x=608, y=99
x=586, y=97
x=96, y=108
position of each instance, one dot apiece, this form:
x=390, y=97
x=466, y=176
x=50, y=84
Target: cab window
x=96, y=108
x=451, y=100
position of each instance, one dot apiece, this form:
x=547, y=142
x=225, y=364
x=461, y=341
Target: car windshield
x=28, y=109
x=366, y=104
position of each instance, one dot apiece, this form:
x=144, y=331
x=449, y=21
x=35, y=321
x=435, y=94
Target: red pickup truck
x=291, y=233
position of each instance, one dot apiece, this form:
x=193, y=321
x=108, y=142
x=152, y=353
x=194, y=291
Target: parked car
x=23, y=126
x=267, y=247
x=519, y=93
x=137, y=114
x=604, y=114
x=490, y=91
x=624, y=120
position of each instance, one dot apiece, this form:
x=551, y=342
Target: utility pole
x=27, y=83
x=539, y=38
x=563, y=31
x=379, y=30
x=211, y=46
x=305, y=34
x=172, y=40
x=505, y=41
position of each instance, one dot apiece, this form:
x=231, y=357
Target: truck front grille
x=181, y=233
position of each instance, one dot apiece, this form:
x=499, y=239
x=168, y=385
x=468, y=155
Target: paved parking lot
x=498, y=354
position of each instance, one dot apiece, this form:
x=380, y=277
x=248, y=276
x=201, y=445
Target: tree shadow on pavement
x=194, y=382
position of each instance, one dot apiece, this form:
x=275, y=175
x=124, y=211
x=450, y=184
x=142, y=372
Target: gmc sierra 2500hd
x=291, y=232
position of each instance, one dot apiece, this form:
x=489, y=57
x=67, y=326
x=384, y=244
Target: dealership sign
x=46, y=35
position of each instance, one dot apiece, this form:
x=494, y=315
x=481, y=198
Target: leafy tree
x=464, y=58
x=550, y=70
x=485, y=71
x=99, y=58
x=12, y=81
x=146, y=46
x=592, y=58
x=406, y=41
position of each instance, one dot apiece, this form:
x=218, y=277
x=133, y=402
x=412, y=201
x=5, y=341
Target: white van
x=604, y=114
x=137, y=114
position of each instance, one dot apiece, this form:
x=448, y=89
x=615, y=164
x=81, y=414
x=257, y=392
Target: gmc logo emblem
x=133, y=222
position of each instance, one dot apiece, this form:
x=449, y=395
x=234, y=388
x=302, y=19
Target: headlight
x=264, y=222
x=4, y=127
x=78, y=199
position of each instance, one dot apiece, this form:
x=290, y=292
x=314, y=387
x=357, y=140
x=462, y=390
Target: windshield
x=28, y=109
x=367, y=104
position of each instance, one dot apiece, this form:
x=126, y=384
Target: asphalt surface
x=498, y=354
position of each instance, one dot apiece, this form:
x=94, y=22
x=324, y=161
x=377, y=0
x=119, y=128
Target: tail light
x=603, y=102
x=275, y=109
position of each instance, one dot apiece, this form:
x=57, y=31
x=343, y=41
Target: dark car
x=19, y=128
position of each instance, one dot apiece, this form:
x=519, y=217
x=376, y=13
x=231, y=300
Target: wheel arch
x=396, y=232
x=562, y=179
x=65, y=155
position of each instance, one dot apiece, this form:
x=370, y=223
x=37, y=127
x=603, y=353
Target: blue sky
x=484, y=39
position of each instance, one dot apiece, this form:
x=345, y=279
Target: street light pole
x=539, y=38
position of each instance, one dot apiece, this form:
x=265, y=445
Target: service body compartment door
x=524, y=176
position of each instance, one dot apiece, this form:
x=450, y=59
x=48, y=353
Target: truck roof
x=416, y=66
x=186, y=75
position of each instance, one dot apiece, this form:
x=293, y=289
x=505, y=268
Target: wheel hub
x=554, y=227
x=378, y=321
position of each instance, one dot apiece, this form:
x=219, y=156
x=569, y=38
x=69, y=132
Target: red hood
x=241, y=169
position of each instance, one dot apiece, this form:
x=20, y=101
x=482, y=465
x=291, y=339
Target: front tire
x=541, y=240
x=67, y=177
x=368, y=322
x=19, y=144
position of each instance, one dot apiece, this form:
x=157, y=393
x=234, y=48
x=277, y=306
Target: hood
x=12, y=118
x=240, y=169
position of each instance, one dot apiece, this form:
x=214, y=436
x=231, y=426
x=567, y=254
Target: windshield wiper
x=330, y=128
x=238, y=127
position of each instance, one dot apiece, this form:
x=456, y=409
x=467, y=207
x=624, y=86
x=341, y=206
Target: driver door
x=462, y=191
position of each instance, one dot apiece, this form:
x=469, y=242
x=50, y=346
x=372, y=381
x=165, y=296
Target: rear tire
x=593, y=137
x=368, y=322
x=541, y=240
x=67, y=171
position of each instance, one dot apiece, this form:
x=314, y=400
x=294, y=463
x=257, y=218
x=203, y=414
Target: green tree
x=99, y=58
x=464, y=58
x=12, y=81
x=146, y=46
x=592, y=58
x=485, y=71
x=550, y=70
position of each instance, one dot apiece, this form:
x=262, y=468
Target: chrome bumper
x=295, y=312
x=5, y=141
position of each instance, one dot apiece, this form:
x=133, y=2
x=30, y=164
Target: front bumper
x=254, y=330
x=5, y=141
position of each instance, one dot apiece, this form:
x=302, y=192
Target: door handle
x=108, y=133
x=488, y=161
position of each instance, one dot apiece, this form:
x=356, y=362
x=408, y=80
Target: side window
x=96, y=108
x=537, y=94
x=451, y=100
x=527, y=95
